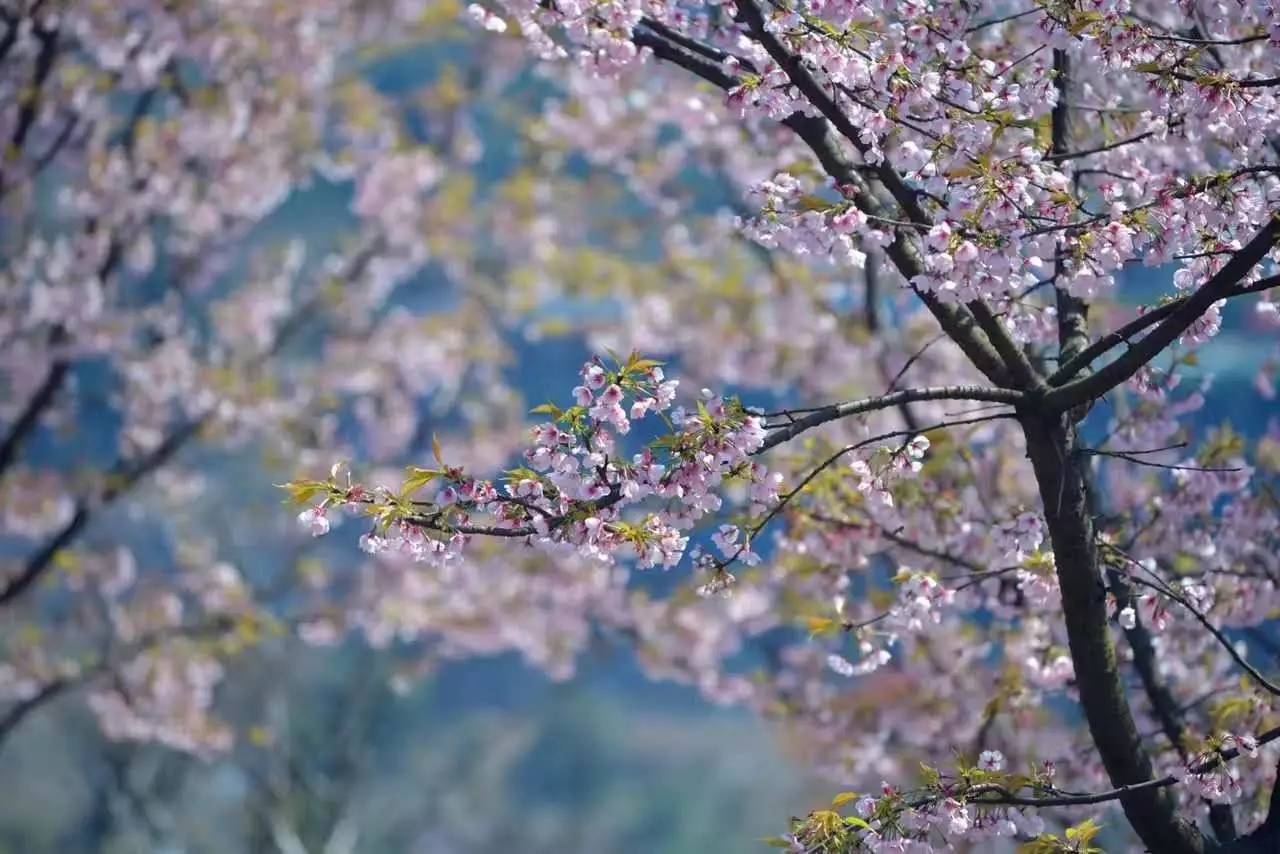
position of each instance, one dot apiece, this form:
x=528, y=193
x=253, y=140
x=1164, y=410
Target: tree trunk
x=1051, y=446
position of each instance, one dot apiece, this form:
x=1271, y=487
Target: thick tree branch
x=1167, y=710
x=957, y=321
x=1060, y=475
x=1073, y=313
x=813, y=92
x=907, y=200
x=788, y=431
x=29, y=110
x=30, y=415
x=1177, y=321
x=952, y=319
x=1024, y=374
x=697, y=61
x=1126, y=332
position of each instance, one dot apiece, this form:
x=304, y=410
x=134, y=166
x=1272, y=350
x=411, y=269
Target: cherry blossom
x=893, y=407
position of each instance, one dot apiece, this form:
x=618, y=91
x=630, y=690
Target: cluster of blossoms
x=577, y=485
x=964, y=118
x=165, y=697
x=920, y=599
x=947, y=811
x=1207, y=776
x=875, y=475
x=785, y=224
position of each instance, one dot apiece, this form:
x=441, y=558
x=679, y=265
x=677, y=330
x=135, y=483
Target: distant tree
x=170, y=311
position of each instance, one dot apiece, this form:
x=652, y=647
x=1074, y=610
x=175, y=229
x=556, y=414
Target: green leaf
x=820, y=625
x=843, y=798
x=304, y=491
x=1084, y=831
x=417, y=478
x=547, y=409
x=643, y=365
x=1083, y=21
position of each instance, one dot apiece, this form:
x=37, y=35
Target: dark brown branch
x=18, y=712
x=1126, y=332
x=1024, y=374
x=957, y=321
x=1073, y=313
x=1223, y=641
x=30, y=108
x=697, y=62
x=1175, y=322
x=1209, y=42
x=1266, y=838
x=1254, y=83
x=30, y=415
x=787, y=432
x=683, y=41
x=1120, y=793
x=786, y=498
x=795, y=69
x=119, y=481
x=1061, y=477
x=1166, y=708
x=1076, y=155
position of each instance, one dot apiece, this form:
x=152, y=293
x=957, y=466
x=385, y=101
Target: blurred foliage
x=483, y=757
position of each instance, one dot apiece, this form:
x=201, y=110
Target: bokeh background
x=349, y=748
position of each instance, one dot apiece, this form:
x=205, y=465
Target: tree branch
x=787, y=432
x=119, y=481
x=54, y=688
x=1122, y=335
x=1120, y=793
x=1073, y=313
x=29, y=110
x=957, y=321
x=30, y=415
x=125, y=474
x=794, y=67
x=1061, y=477
x=1223, y=641
x=1219, y=286
x=1166, y=708
x=1009, y=358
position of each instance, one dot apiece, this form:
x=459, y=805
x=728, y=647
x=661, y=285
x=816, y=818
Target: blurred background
x=344, y=747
